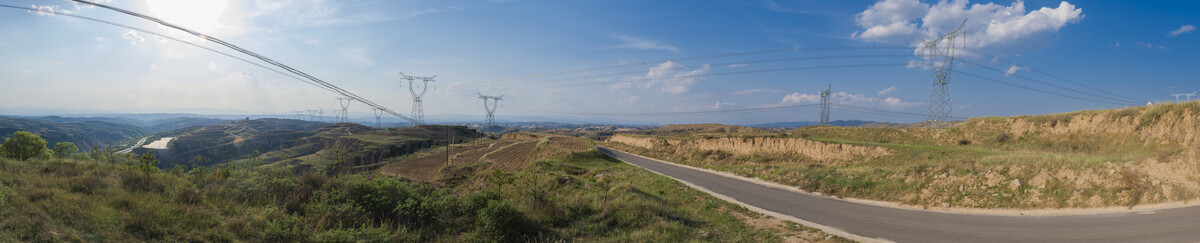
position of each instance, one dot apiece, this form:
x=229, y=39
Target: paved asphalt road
x=135, y=145
x=903, y=225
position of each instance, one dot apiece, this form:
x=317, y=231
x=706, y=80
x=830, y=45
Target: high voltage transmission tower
x=378, y=113
x=825, y=105
x=1188, y=95
x=345, y=102
x=418, y=111
x=939, y=53
x=491, y=110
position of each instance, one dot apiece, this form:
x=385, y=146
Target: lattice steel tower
x=939, y=55
x=825, y=105
x=345, y=102
x=491, y=110
x=378, y=114
x=418, y=111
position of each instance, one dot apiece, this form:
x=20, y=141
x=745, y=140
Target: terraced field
x=510, y=153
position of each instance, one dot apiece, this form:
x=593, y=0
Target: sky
x=646, y=62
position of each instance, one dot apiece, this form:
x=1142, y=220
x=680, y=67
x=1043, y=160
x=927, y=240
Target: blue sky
x=1141, y=50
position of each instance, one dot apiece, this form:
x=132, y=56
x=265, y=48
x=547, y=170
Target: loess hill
x=1097, y=158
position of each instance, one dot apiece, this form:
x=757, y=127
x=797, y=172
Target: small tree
x=65, y=149
x=147, y=163
x=24, y=146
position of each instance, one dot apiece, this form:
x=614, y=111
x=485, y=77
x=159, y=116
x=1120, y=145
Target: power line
x=1037, y=90
x=685, y=113
x=714, y=64
x=177, y=40
x=1039, y=71
x=335, y=89
x=735, y=73
x=747, y=53
x=1046, y=83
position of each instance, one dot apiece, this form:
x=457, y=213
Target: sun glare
x=199, y=15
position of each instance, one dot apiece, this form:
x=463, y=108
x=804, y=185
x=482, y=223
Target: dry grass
x=1097, y=158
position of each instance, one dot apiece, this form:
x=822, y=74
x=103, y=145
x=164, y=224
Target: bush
x=503, y=223
x=362, y=234
x=65, y=149
x=285, y=229
x=24, y=146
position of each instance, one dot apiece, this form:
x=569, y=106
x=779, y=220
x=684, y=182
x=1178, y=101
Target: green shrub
x=503, y=223
x=285, y=229
x=65, y=149
x=361, y=234
x=24, y=146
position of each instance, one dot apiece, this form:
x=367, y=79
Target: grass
x=578, y=196
x=974, y=163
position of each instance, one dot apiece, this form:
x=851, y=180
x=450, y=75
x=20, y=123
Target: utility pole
x=378, y=113
x=491, y=110
x=418, y=111
x=345, y=102
x=825, y=105
x=940, y=55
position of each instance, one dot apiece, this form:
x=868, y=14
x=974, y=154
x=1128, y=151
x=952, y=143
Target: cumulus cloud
x=720, y=105
x=990, y=27
x=669, y=77
x=888, y=90
x=1182, y=30
x=133, y=38
x=631, y=100
x=1013, y=69
x=846, y=99
x=630, y=42
x=48, y=9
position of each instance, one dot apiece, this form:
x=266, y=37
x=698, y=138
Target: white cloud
x=79, y=6
x=990, y=27
x=736, y=65
x=629, y=101
x=888, y=90
x=846, y=99
x=212, y=66
x=133, y=38
x=359, y=55
x=797, y=98
x=670, y=78
x=753, y=91
x=154, y=66
x=1153, y=46
x=160, y=39
x=1182, y=30
x=720, y=104
x=1013, y=69
x=636, y=43
x=48, y=9
x=241, y=77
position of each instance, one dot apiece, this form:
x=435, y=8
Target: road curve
x=131, y=148
x=870, y=222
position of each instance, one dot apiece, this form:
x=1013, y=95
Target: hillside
x=85, y=133
x=838, y=123
x=1118, y=157
x=559, y=190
